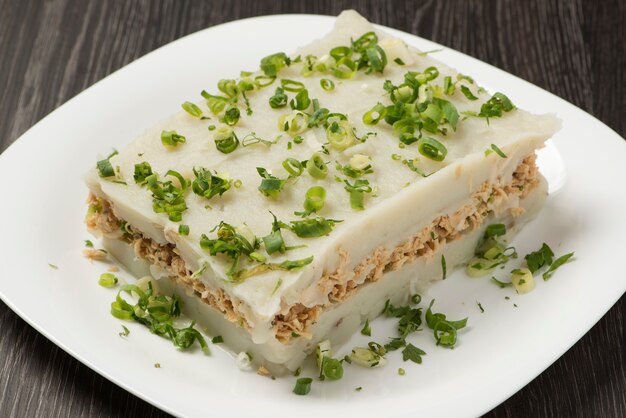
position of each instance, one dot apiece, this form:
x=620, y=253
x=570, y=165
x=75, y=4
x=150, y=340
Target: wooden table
x=52, y=50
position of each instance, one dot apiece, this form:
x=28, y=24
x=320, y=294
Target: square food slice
x=288, y=206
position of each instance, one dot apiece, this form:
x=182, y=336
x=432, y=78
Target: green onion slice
x=226, y=140
x=345, y=68
x=316, y=167
x=291, y=85
x=314, y=199
x=327, y=84
x=171, y=138
x=373, y=116
x=192, y=109
x=107, y=280
x=432, y=149
x=303, y=386
x=293, y=167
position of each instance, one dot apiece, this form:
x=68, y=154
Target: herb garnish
x=556, y=264
x=172, y=138
x=412, y=353
x=366, y=330
x=537, y=259
x=445, y=331
x=270, y=186
x=303, y=386
x=167, y=198
x=157, y=313
x=208, y=185
x=105, y=169
x=107, y=280
x=313, y=227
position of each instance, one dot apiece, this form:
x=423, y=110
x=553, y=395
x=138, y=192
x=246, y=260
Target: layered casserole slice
x=290, y=203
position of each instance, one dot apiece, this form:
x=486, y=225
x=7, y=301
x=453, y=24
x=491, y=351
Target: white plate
x=502, y=349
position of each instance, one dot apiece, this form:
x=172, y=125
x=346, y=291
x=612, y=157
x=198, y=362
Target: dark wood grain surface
x=52, y=50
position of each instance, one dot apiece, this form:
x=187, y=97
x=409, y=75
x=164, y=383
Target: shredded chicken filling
x=297, y=319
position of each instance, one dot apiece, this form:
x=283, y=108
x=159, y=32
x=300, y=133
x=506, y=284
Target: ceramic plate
x=501, y=350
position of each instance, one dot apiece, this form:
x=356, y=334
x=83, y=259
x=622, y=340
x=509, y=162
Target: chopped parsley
x=540, y=258
x=412, y=353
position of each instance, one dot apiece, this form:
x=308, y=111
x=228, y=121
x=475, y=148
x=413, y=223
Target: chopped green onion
x=270, y=186
x=142, y=171
x=301, y=101
x=448, y=86
x=501, y=284
x=373, y=116
x=327, y=84
x=314, y=201
x=228, y=87
x=274, y=241
x=444, y=331
x=313, y=228
x=291, y=85
x=226, y=140
x=498, y=151
x=172, y=138
x=331, y=368
x=443, y=266
x=366, y=357
x=272, y=64
x=183, y=229
x=432, y=149
x=105, y=169
x=263, y=81
x=468, y=93
x=522, y=280
x=399, y=61
x=231, y=115
x=495, y=106
x=345, y=68
x=293, y=167
x=279, y=99
x=192, y=109
x=340, y=135
x=366, y=330
x=107, y=280
x=316, y=167
x=557, y=263
x=218, y=339
x=125, y=332
x=293, y=123
x=168, y=198
x=357, y=192
x=303, y=386
x=340, y=52
x=208, y=185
